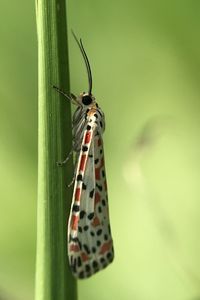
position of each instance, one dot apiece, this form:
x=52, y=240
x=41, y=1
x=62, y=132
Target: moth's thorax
x=87, y=115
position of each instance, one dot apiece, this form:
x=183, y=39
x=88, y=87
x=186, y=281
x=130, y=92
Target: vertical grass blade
x=53, y=278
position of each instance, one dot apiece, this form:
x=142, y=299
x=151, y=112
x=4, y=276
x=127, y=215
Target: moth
x=90, y=244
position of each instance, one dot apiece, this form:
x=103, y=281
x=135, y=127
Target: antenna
x=80, y=44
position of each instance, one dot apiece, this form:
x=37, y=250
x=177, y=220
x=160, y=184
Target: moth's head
x=86, y=99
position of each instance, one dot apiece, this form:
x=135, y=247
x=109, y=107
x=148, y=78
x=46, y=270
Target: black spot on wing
x=103, y=202
x=79, y=262
x=102, y=260
x=82, y=214
x=99, y=209
x=86, y=227
x=99, y=232
x=84, y=186
x=89, y=127
x=91, y=193
x=94, y=249
x=109, y=256
x=99, y=187
x=86, y=248
x=75, y=239
x=96, y=161
x=74, y=265
x=98, y=243
x=85, y=148
x=95, y=264
x=75, y=208
x=80, y=245
x=87, y=268
x=91, y=216
x=81, y=274
x=79, y=177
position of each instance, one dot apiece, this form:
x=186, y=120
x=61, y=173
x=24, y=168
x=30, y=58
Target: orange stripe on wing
x=95, y=222
x=97, y=173
x=74, y=222
x=74, y=248
x=97, y=198
x=77, y=194
x=99, y=142
x=84, y=256
x=82, y=163
x=87, y=137
x=106, y=247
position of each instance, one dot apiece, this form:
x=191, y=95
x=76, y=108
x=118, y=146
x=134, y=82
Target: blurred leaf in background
x=145, y=62
x=18, y=151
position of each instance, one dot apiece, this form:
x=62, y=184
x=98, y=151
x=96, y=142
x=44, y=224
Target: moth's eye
x=86, y=100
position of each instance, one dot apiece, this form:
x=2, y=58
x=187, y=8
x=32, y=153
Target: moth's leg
x=75, y=171
x=61, y=163
x=72, y=98
x=76, y=140
x=72, y=181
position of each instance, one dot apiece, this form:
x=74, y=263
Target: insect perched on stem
x=90, y=245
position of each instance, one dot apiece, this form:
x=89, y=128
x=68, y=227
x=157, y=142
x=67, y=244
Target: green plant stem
x=53, y=277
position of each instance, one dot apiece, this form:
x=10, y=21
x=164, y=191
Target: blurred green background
x=145, y=58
